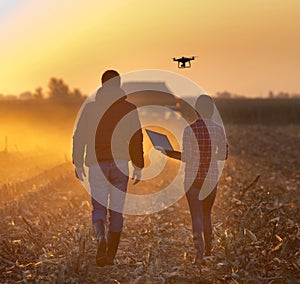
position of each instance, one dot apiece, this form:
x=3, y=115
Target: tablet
x=159, y=141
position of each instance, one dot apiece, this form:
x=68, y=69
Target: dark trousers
x=201, y=214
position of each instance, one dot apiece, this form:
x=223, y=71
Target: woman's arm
x=222, y=153
x=173, y=154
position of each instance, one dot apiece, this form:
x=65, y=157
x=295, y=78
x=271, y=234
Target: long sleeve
x=187, y=147
x=173, y=154
x=136, y=145
x=80, y=140
x=222, y=146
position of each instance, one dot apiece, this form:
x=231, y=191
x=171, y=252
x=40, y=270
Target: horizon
x=70, y=91
x=246, y=48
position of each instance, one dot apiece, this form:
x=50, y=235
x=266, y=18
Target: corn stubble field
x=46, y=234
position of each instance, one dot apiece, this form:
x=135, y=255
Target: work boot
x=208, y=243
x=113, y=239
x=99, y=227
x=199, y=249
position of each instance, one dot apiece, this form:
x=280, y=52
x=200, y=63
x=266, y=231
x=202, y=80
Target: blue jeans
x=201, y=214
x=108, y=190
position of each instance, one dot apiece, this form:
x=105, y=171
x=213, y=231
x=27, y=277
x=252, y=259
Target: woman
x=204, y=143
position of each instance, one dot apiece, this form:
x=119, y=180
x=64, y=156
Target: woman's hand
x=170, y=153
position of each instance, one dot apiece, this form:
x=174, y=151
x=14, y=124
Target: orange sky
x=247, y=47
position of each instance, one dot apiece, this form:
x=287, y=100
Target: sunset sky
x=246, y=47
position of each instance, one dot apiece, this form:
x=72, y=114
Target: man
x=107, y=158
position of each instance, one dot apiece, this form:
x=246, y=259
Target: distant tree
x=283, y=95
x=58, y=90
x=238, y=96
x=26, y=96
x=271, y=95
x=76, y=94
x=38, y=94
x=10, y=97
x=224, y=95
x=296, y=96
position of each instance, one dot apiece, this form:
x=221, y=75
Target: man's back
x=124, y=147
x=92, y=139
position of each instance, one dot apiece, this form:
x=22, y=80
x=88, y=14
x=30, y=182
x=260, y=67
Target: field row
x=46, y=234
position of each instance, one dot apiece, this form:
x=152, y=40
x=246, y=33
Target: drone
x=184, y=62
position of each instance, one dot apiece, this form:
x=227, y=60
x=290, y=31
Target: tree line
x=58, y=90
x=271, y=95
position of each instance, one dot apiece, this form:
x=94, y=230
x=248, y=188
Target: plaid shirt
x=204, y=142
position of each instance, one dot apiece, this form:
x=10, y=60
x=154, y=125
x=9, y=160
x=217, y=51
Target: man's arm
x=79, y=144
x=136, y=149
x=136, y=152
